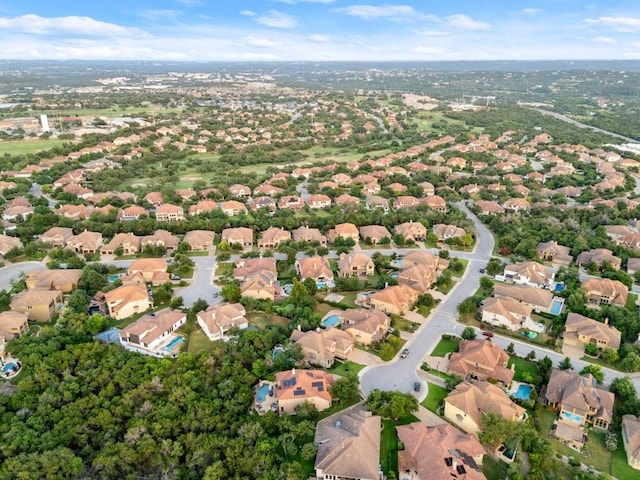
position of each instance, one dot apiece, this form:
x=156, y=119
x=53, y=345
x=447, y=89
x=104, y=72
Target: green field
x=346, y=368
x=446, y=346
x=522, y=366
x=435, y=396
x=198, y=342
x=23, y=147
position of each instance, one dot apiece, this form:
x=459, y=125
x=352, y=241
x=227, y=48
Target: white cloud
x=466, y=23
x=434, y=33
x=259, y=41
x=276, y=19
x=372, y=12
x=189, y=2
x=72, y=25
x=160, y=14
x=318, y=38
x=293, y=2
x=248, y=13
x=624, y=24
x=531, y=11
x=605, y=40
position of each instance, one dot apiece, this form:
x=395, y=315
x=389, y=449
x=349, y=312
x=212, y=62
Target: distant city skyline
x=320, y=30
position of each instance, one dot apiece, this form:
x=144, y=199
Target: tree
x=467, y=307
x=308, y=452
x=531, y=355
x=595, y=370
x=78, y=301
x=609, y=355
x=612, y=441
x=231, y=292
x=452, y=381
x=391, y=404
x=486, y=284
x=565, y=364
x=469, y=333
x=623, y=388
x=494, y=267
x=510, y=349
x=345, y=389
x=496, y=430
x=311, y=286
x=631, y=362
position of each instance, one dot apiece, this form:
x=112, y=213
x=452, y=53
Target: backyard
x=522, y=367
x=389, y=443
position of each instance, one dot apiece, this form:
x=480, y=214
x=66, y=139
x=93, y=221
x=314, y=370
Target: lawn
x=402, y=324
x=619, y=467
x=632, y=300
x=349, y=299
x=23, y=147
x=445, y=346
x=225, y=269
x=599, y=361
x=445, y=289
x=493, y=469
x=198, y=342
x=435, y=396
x=346, y=368
x=262, y=320
x=389, y=443
x=522, y=366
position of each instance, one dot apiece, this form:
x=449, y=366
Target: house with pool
x=510, y=314
x=219, y=318
x=321, y=347
x=580, y=331
x=295, y=387
x=154, y=333
x=316, y=268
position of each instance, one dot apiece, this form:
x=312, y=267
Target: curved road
x=12, y=273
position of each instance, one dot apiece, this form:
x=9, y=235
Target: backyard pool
x=559, y=287
x=113, y=278
x=173, y=343
x=556, y=307
x=277, y=350
x=10, y=368
x=262, y=393
x=523, y=392
x=331, y=321
x=572, y=416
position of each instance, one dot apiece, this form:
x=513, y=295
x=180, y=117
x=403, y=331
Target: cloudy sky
x=203, y=30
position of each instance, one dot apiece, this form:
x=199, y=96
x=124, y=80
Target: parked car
x=482, y=270
x=416, y=387
x=174, y=277
x=487, y=334
x=404, y=353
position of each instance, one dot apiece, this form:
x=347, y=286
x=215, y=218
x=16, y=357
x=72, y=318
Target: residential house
x=554, y=253
x=440, y=452
x=516, y=205
x=264, y=202
x=436, y=202
x=529, y=273
x=631, y=439
x=291, y=202
x=16, y=324
x=365, y=325
x=199, y=240
x=536, y=298
x=411, y=231
x=375, y=234
x=296, y=387
x=219, y=318
x=579, y=403
x=315, y=267
x=342, y=179
x=633, y=265
x=240, y=191
x=128, y=242
x=507, y=313
x=272, y=237
x=599, y=256
x=17, y=212
x=203, y=206
x=127, y=300
x=605, y=291
x=153, y=334
x=232, y=208
x=9, y=243
x=85, y=242
x=131, y=213
x=344, y=231
x=395, y=300
x=39, y=304
x=348, y=445
x=161, y=238
x=306, y=234
x=405, y=201
x=376, y=202
x=65, y=280
x=154, y=198
x=240, y=236
x=347, y=202
x=481, y=360
x=489, y=208
x=154, y=270
x=57, y=236
x=468, y=402
x=444, y=232
x=580, y=331
x=169, y=213
x=418, y=257
x=321, y=347
x=419, y=277
x=355, y=264
x=261, y=285
x=248, y=266
x=318, y=201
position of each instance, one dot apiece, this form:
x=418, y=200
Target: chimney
x=293, y=372
x=606, y=321
x=299, y=327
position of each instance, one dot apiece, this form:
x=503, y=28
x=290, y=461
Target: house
x=57, y=236
x=64, y=280
x=444, y=232
x=436, y=202
x=242, y=236
x=316, y=267
x=128, y=242
x=85, y=242
x=481, y=360
x=605, y=291
x=580, y=331
x=161, y=238
x=411, y=231
x=169, y=213
x=39, y=304
x=375, y=234
x=199, y=240
x=219, y=318
x=578, y=402
x=516, y=205
x=538, y=299
x=203, y=206
x=599, y=256
x=131, y=213
x=440, y=452
x=74, y=212
x=306, y=234
x=127, y=300
x=376, y=202
x=318, y=201
x=296, y=387
x=434, y=262
x=419, y=277
x=154, y=270
x=321, y=347
x=16, y=324
x=631, y=439
x=344, y=231
x=348, y=445
x=508, y=313
x=272, y=237
x=396, y=300
x=529, y=273
x=365, y=325
x=240, y=191
x=153, y=334
x=154, y=198
x=261, y=285
x=405, y=201
x=292, y=202
x=232, y=208
x=9, y=243
x=355, y=264
x=465, y=405
x=554, y=253
x=347, y=202
x=248, y=266
x=489, y=208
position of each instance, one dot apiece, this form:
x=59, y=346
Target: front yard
x=346, y=368
x=445, y=346
x=435, y=397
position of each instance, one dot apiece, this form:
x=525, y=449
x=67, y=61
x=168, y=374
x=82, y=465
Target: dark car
x=404, y=353
x=482, y=270
x=416, y=387
x=487, y=334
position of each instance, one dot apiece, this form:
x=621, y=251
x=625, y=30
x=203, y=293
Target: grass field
x=198, y=342
x=23, y=147
x=619, y=466
x=262, y=320
x=493, y=469
x=389, y=443
x=435, y=396
x=522, y=366
x=346, y=368
x=445, y=346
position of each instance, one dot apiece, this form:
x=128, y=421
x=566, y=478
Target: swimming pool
x=556, y=307
x=113, y=278
x=9, y=368
x=331, y=321
x=572, y=416
x=262, y=393
x=523, y=392
x=277, y=350
x=172, y=344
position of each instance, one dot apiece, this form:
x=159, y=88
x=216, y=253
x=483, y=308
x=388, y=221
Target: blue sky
x=205, y=30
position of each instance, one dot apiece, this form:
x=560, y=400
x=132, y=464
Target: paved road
x=401, y=374
x=11, y=273
x=201, y=286
x=36, y=191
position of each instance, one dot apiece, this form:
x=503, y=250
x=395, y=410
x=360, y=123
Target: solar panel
x=448, y=461
x=298, y=392
x=461, y=470
x=317, y=384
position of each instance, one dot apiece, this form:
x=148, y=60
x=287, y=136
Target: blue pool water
x=173, y=343
x=559, y=287
x=277, y=351
x=523, y=392
x=10, y=367
x=572, y=416
x=331, y=321
x=556, y=307
x=262, y=392
x=113, y=278
x=395, y=275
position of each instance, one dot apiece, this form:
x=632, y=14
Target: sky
x=319, y=30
